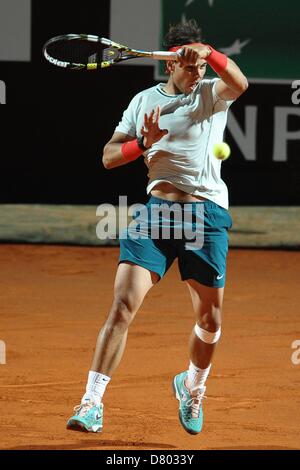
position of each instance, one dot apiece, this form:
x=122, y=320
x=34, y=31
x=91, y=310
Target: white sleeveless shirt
x=184, y=157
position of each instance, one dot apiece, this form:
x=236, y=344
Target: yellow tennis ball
x=221, y=151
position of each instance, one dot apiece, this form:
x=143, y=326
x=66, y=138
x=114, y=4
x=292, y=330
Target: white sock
x=95, y=387
x=196, y=377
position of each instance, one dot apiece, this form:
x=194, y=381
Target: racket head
x=82, y=52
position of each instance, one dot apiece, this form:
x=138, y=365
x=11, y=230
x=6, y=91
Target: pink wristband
x=131, y=150
x=217, y=60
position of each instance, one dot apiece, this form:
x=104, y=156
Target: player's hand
x=151, y=130
x=190, y=55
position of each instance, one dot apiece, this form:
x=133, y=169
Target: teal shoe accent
x=190, y=406
x=88, y=418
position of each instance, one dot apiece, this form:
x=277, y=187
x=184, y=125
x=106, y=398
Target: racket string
x=79, y=51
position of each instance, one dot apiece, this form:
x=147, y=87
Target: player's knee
x=212, y=319
x=121, y=315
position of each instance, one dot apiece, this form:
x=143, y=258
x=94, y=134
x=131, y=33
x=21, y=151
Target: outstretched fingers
x=157, y=115
x=151, y=130
x=148, y=120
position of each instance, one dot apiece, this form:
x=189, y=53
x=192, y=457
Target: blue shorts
x=195, y=233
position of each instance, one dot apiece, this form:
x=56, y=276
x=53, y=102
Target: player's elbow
x=106, y=161
x=244, y=85
x=107, y=164
x=240, y=88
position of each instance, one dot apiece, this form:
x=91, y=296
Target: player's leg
x=207, y=303
x=142, y=262
x=189, y=386
x=131, y=285
x=203, y=266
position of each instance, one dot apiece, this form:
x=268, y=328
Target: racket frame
x=120, y=52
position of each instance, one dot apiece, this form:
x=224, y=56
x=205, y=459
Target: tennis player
x=174, y=125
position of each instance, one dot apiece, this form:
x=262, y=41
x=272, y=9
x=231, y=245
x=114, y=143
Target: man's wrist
x=209, y=51
x=140, y=141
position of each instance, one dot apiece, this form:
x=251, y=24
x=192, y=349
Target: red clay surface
x=53, y=302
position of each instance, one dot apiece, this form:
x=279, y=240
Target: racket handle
x=162, y=55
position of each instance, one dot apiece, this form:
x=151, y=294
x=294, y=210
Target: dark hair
x=182, y=33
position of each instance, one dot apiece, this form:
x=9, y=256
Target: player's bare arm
x=233, y=83
x=112, y=155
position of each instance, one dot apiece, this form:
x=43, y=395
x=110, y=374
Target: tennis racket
x=87, y=52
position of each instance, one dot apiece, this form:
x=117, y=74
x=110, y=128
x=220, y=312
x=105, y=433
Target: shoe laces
x=84, y=408
x=194, y=404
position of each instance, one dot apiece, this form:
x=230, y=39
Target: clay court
x=55, y=298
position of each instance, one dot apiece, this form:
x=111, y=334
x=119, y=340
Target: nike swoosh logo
x=97, y=417
x=220, y=277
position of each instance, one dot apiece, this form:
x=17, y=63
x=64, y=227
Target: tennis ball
x=221, y=151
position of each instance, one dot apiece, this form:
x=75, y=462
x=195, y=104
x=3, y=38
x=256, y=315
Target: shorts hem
x=139, y=263
x=204, y=283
